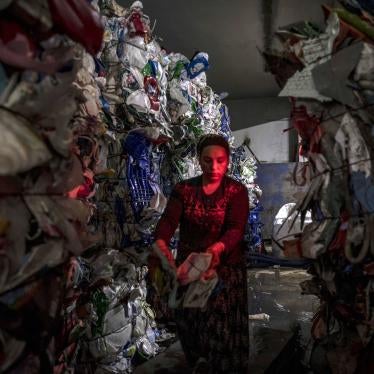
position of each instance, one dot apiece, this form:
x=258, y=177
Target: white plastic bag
x=198, y=293
x=193, y=267
x=139, y=100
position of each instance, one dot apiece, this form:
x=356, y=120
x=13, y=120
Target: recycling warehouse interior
x=102, y=103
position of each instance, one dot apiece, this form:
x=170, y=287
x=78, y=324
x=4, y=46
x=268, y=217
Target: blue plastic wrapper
x=254, y=214
x=142, y=175
x=197, y=65
x=138, y=182
x=99, y=67
x=105, y=105
x=137, y=146
x=225, y=120
x=138, y=171
x=255, y=225
x=154, y=67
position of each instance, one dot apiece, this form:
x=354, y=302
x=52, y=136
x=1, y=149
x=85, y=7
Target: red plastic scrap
x=78, y=20
x=18, y=49
x=308, y=128
x=153, y=92
x=84, y=190
x=136, y=25
x=17, y=38
x=338, y=242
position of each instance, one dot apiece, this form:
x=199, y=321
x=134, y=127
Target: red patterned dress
x=219, y=332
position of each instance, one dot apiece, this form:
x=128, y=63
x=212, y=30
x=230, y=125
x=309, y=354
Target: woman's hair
x=212, y=139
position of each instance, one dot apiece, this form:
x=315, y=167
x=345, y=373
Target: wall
x=251, y=112
x=268, y=141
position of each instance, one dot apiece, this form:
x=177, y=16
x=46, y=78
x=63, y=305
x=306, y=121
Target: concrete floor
x=274, y=292
x=171, y=361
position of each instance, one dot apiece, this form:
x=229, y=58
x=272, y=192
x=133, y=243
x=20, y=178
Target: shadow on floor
x=172, y=361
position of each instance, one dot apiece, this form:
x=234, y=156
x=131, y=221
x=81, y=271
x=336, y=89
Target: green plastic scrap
x=147, y=70
x=101, y=305
x=179, y=66
x=195, y=128
x=194, y=106
x=355, y=21
x=306, y=28
x=130, y=351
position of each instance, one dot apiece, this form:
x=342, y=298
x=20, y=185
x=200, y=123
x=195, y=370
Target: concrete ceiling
x=230, y=32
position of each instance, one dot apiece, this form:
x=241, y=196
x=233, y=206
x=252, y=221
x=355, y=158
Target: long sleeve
x=169, y=220
x=235, y=220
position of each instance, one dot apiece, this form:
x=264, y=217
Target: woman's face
x=214, y=162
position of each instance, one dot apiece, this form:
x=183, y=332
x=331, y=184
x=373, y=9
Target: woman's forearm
x=162, y=244
x=164, y=248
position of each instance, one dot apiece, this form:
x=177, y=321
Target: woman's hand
x=215, y=249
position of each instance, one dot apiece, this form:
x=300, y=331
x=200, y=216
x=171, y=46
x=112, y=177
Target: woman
x=212, y=211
